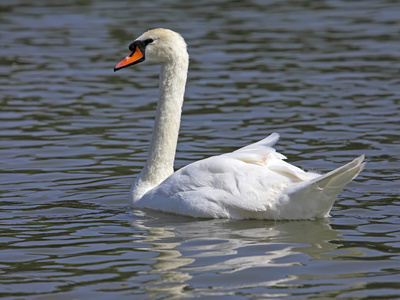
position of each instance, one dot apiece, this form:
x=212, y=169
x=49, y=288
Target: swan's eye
x=140, y=44
x=148, y=41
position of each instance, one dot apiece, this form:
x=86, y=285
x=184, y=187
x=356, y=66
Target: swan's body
x=252, y=182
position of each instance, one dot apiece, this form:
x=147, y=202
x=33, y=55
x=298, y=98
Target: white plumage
x=252, y=182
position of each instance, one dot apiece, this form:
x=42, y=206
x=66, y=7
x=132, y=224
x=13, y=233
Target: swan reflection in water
x=221, y=253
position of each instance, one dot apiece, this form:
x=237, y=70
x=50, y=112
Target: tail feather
x=324, y=190
x=342, y=175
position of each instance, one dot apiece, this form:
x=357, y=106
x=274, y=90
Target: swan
x=253, y=182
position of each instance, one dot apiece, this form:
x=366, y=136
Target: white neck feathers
x=160, y=161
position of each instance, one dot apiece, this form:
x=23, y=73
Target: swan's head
x=160, y=45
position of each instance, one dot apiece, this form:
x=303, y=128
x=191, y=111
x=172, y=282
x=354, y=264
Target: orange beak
x=136, y=56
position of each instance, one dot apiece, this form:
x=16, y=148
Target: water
x=324, y=74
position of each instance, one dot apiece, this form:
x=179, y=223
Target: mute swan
x=253, y=182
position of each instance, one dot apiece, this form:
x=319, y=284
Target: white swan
x=252, y=182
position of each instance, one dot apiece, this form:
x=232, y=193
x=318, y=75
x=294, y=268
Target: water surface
x=324, y=74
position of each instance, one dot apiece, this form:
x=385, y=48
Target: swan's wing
x=211, y=188
x=257, y=152
x=268, y=142
x=242, y=182
x=262, y=153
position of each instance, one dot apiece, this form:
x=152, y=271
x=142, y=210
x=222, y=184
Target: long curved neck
x=160, y=161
